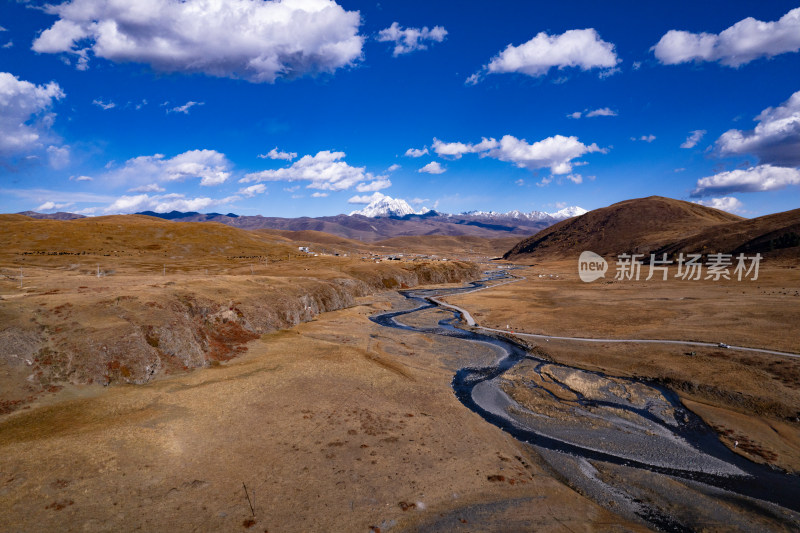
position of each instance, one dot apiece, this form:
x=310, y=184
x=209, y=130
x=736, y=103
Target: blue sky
x=118, y=106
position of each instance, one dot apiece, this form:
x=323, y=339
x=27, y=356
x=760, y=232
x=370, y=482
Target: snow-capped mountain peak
x=568, y=212
x=386, y=206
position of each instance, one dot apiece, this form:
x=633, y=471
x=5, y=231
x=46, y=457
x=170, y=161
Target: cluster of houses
x=377, y=258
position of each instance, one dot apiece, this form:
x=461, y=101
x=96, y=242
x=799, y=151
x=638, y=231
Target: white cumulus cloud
x=277, y=154
x=646, y=138
x=24, y=120
x=416, y=152
x=455, y=150
x=376, y=185
x=255, y=40
x=325, y=171
x=162, y=203
x=754, y=179
x=556, y=153
x=52, y=206
x=410, y=39
x=150, y=187
x=366, y=198
x=432, y=168
x=212, y=167
x=725, y=203
x=602, y=112
x=693, y=138
x=775, y=139
x=252, y=190
x=743, y=42
x=582, y=49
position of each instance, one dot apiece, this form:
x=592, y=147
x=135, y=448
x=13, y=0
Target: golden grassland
x=335, y=425
x=330, y=421
x=753, y=398
x=122, y=299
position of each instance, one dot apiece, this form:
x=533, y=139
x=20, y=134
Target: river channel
x=630, y=445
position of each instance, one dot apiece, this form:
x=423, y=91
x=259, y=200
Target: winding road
x=467, y=317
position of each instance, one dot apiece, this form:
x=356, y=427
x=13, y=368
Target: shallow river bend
x=629, y=445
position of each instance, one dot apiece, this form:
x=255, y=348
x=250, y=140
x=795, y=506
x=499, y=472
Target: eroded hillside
x=126, y=299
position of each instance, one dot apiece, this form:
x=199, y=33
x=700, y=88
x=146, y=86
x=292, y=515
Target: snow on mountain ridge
x=567, y=212
x=386, y=206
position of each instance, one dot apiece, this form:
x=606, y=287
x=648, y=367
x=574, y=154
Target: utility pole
x=20, y=278
x=165, y=270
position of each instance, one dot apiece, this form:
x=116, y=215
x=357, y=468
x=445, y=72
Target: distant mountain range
x=382, y=219
x=51, y=216
x=386, y=206
x=642, y=226
x=562, y=214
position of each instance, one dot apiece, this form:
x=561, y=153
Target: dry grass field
x=124, y=299
x=152, y=370
x=142, y=397
x=464, y=245
x=750, y=397
x=335, y=425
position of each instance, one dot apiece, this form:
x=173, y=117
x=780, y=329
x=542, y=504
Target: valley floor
x=335, y=425
x=339, y=424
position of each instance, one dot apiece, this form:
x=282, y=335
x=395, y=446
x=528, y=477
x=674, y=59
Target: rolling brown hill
x=133, y=239
x=126, y=298
x=143, y=240
x=326, y=241
x=642, y=225
x=61, y=215
x=776, y=235
x=441, y=244
x=419, y=244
